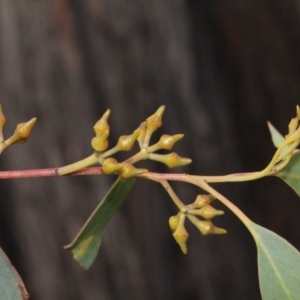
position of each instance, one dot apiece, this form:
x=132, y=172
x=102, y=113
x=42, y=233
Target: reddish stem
x=46, y=173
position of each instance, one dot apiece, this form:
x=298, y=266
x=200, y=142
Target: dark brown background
x=222, y=68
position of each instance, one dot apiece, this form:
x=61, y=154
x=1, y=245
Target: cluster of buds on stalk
x=199, y=208
x=142, y=136
x=21, y=134
x=166, y=142
x=286, y=145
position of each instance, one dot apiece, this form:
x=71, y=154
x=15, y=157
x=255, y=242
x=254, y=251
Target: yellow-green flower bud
x=110, y=165
x=155, y=121
x=21, y=133
x=298, y=112
x=129, y=170
x=172, y=160
x=181, y=235
x=206, y=227
x=23, y=130
x=203, y=200
x=101, y=128
x=167, y=141
x=207, y=212
x=174, y=222
x=99, y=144
x=126, y=142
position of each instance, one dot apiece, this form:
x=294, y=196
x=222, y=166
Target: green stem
x=86, y=162
x=277, y=163
x=237, y=177
x=141, y=155
x=110, y=152
x=271, y=169
x=147, y=139
x=154, y=148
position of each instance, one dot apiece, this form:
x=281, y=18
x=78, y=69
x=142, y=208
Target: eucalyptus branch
x=200, y=212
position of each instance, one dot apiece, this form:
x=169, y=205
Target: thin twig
x=52, y=172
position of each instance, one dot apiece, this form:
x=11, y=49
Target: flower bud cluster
x=21, y=134
x=166, y=142
x=125, y=143
x=290, y=142
x=200, y=208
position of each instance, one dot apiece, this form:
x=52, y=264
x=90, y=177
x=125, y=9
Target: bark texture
x=222, y=68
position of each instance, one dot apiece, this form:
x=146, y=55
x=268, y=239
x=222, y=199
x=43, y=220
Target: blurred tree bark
x=221, y=68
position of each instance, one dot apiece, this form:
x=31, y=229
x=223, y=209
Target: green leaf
x=277, y=138
x=86, y=244
x=291, y=173
x=278, y=265
x=11, y=284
